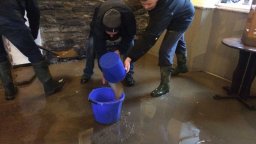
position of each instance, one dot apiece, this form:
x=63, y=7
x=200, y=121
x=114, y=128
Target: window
x=235, y=5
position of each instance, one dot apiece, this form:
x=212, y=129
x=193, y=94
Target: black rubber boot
x=6, y=77
x=163, y=88
x=85, y=78
x=42, y=72
x=129, y=81
x=181, y=65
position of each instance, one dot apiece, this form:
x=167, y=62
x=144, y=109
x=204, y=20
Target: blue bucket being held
x=112, y=67
x=106, y=108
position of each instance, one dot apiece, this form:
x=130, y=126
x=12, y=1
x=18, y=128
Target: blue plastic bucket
x=106, y=109
x=112, y=67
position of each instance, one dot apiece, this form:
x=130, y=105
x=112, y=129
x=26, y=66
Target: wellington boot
x=51, y=86
x=181, y=65
x=10, y=91
x=180, y=69
x=42, y=72
x=163, y=88
x=160, y=90
x=85, y=78
x=129, y=81
x=6, y=77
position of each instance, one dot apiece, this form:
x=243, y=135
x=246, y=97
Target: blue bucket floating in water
x=106, y=109
x=112, y=67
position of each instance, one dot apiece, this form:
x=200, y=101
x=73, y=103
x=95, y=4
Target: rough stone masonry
x=65, y=23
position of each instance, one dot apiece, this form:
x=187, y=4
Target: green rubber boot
x=163, y=88
x=7, y=81
x=42, y=72
x=181, y=65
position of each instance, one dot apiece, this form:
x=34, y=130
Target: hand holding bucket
x=112, y=67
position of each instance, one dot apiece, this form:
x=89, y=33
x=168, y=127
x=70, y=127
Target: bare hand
x=127, y=64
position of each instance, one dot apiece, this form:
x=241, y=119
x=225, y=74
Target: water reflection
x=152, y=121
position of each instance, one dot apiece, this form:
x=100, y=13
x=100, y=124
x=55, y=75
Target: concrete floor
x=187, y=115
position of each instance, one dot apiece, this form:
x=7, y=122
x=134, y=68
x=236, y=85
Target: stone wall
x=65, y=23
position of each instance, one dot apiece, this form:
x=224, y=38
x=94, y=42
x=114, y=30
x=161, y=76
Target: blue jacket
x=174, y=15
x=12, y=14
x=127, y=30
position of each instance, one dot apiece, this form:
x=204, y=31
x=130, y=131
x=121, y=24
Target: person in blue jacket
x=174, y=16
x=113, y=28
x=12, y=27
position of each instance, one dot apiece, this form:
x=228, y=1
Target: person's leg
x=166, y=54
x=129, y=80
x=90, y=57
x=42, y=72
x=3, y=54
x=249, y=77
x=21, y=37
x=181, y=54
x=181, y=22
x=5, y=73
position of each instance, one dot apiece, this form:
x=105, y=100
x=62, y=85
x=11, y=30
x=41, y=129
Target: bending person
x=172, y=15
x=113, y=28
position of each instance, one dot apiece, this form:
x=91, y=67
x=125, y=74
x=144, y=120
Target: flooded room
x=127, y=71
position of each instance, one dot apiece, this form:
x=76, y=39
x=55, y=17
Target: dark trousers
x=91, y=56
x=239, y=72
x=20, y=36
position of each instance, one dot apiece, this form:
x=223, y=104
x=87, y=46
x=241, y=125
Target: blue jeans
x=181, y=46
x=20, y=36
x=173, y=42
x=91, y=56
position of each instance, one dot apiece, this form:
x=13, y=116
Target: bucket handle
x=91, y=101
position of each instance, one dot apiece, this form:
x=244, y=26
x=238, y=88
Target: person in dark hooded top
x=113, y=28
